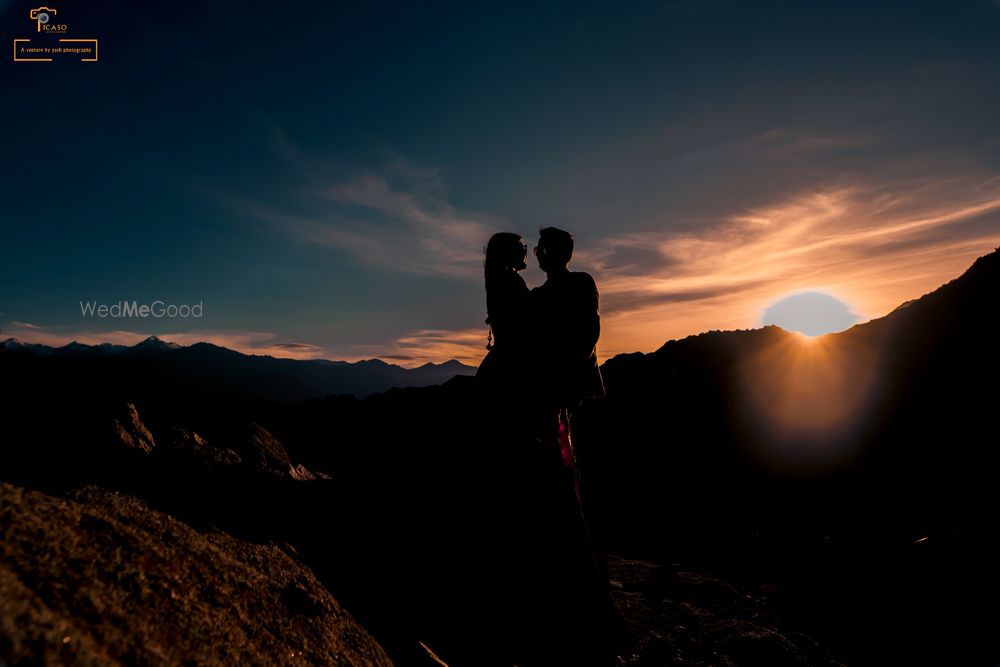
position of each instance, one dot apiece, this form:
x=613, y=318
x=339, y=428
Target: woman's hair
x=504, y=250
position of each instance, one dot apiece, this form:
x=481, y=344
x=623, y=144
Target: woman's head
x=505, y=252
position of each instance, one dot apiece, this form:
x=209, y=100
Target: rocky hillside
x=679, y=617
x=99, y=578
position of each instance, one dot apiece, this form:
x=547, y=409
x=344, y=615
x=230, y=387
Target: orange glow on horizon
x=874, y=249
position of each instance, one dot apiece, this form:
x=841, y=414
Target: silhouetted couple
x=549, y=332
x=541, y=364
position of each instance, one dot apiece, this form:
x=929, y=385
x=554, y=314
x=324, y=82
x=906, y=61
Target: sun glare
x=810, y=313
x=802, y=393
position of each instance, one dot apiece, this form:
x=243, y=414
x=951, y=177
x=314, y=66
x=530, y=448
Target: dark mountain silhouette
x=150, y=346
x=861, y=462
x=211, y=369
x=900, y=400
x=844, y=484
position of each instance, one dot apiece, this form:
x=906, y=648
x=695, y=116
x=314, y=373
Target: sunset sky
x=323, y=177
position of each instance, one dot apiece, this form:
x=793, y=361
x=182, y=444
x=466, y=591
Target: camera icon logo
x=41, y=15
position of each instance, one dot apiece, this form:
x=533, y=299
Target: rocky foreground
x=99, y=578
x=690, y=618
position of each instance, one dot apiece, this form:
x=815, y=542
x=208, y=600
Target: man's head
x=554, y=249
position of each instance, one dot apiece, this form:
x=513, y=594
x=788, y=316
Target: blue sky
x=324, y=179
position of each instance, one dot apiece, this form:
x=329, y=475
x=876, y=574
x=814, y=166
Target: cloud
x=639, y=298
x=796, y=209
x=415, y=229
x=436, y=345
x=789, y=142
x=397, y=217
x=299, y=347
x=637, y=253
x=874, y=244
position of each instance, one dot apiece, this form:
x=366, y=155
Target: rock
x=689, y=618
x=301, y=473
x=99, y=578
x=131, y=432
x=264, y=452
x=190, y=445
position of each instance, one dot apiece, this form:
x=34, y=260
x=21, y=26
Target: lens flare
x=803, y=399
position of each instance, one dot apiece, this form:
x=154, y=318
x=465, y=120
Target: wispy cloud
x=788, y=142
x=412, y=231
x=304, y=348
x=435, y=345
x=397, y=217
x=875, y=236
x=874, y=245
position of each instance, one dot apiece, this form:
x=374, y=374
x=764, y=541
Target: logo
x=45, y=50
x=43, y=20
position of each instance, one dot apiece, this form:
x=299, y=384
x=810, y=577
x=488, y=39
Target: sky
x=322, y=179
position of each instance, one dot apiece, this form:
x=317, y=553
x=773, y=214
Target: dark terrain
x=159, y=367
x=98, y=578
x=739, y=536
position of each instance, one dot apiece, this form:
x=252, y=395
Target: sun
x=811, y=313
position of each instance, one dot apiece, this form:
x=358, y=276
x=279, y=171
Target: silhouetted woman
x=508, y=314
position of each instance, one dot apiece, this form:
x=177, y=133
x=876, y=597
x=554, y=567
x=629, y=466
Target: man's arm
x=588, y=309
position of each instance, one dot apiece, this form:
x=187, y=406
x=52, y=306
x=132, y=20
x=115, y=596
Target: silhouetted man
x=568, y=323
x=577, y=611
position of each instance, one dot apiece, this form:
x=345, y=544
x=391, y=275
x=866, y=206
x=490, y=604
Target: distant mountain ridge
x=225, y=371
x=894, y=406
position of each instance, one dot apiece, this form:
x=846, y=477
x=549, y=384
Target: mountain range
x=208, y=368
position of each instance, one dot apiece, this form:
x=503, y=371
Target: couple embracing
x=543, y=341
